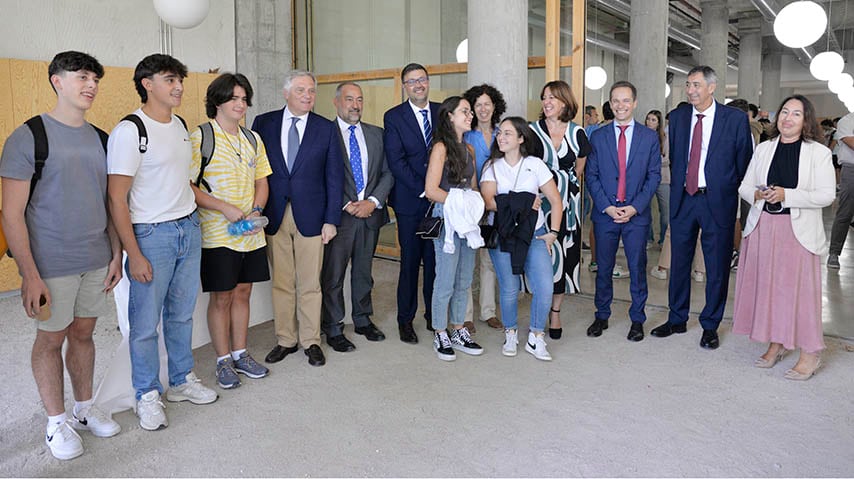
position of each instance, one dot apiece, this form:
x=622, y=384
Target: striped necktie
x=428, y=130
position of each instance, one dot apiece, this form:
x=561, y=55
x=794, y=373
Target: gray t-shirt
x=67, y=216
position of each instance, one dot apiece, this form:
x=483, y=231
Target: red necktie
x=621, y=158
x=692, y=180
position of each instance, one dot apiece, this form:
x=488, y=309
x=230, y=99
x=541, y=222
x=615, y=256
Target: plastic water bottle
x=239, y=227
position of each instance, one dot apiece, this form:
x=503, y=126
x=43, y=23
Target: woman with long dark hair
x=565, y=147
x=452, y=185
x=778, y=288
x=512, y=170
x=655, y=121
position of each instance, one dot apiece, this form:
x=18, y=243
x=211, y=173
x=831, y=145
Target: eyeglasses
x=419, y=81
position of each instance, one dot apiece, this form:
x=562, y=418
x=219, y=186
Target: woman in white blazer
x=778, y=288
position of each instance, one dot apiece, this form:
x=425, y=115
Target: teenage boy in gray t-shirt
x=65, y=247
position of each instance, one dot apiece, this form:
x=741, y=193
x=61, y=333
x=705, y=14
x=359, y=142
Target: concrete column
x=453, y=24
x=648, y=54
x=498, y=49
x=770, y=96
x=714, y=41
x=749, y=58
x=263, y=46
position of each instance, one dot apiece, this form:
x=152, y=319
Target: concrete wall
x=117, y=32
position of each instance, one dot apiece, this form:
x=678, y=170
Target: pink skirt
x=778, y=288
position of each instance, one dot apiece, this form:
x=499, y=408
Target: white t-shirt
x=160, y=190
x=533, y=174
x=845, y=128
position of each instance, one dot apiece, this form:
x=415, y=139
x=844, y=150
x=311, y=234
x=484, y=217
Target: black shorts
x=223, y=268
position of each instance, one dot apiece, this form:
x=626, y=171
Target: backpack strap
x=140, y=128
x=183, y=122
x=103, y=135
x=40, y=150
x=207, y=148
x=250, y=136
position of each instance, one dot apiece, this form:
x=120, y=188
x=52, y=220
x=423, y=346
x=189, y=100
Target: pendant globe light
x=840, y=82
x=595, y=78
x=826, y=65
x=800, y=24
x=184, y=13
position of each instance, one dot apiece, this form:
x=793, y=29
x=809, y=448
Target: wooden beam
x=579, y=39
x=540, y=62
x=553, y=39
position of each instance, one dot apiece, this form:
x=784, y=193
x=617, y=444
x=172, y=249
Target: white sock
x=222, y=358
x=235, y=355
x=53, y=422
x=81, y=406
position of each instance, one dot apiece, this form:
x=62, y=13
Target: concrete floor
x=603, y=407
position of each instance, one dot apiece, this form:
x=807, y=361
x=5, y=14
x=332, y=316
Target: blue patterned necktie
x=428, y=130
x=356, y=161
x=293, y=142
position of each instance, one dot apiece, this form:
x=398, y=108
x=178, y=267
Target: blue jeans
x=538, y=273
x=174, y=249
x=454, y=274
x=662, y=194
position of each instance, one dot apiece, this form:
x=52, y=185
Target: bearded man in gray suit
x=367, y=183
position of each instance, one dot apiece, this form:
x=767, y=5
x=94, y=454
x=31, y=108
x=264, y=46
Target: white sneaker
x=64, y=443
x=193, y=390
x=536, y=345
x=658, y=273
x=511, y=339
x=151, y=412
x=95, y=421
x=698, y=276
x=619, y=272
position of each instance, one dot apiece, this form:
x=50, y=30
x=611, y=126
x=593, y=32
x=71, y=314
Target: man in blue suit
x=304, y=209
x=623, y=172
x=710, y=146
x=407, y=140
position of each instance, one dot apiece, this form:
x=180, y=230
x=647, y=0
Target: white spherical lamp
x=826, y=65
x=595, y=78
x=182, y=13
x=847, y=95
x=666, y=90
x=463, y=51
x=800, y=24
x=840, y=82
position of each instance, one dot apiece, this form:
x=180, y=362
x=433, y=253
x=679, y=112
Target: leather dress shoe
x=407, y=333
x=370, y=332
x=315, y=355
x=710, y=339
x=279, y=352
x=340, y=343
x=595, y=329
x=667, y=329
x=430, y=325
x=635, y=332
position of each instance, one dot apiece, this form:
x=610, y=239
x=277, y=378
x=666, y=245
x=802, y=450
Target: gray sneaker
x=192, y=390
x=833, y=261
x=247, y=366
x=226, y=377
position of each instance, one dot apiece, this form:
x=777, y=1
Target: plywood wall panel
x=7, y=117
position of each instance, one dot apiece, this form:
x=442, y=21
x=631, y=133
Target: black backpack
x=207, y=148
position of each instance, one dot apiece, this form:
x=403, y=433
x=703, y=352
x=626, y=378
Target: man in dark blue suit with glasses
x=407, y=140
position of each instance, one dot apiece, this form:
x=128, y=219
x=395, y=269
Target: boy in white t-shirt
x=154, y=210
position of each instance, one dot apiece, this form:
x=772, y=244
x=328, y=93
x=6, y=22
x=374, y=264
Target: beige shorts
x=75, y=296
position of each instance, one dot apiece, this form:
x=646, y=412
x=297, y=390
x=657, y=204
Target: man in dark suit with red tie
x=623, y=171
x=304, y=209
x=407, y=141
x=710, y=147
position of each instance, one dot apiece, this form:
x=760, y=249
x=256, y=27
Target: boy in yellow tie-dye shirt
x=234, y=188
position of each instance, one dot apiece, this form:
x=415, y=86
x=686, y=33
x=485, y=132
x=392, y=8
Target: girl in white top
x=510, y=168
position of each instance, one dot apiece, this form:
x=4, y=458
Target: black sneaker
x=733, y=264
x=461, y=340
x=442, y=345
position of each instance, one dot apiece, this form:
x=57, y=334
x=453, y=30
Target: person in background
x=662, y=194
x=778, y=288
x=488, y=104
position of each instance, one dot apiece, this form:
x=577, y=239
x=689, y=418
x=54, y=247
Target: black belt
x=177, y=219
x=700, y=191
